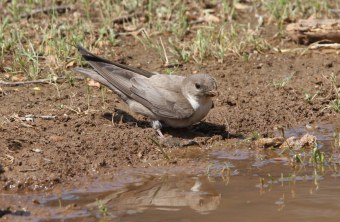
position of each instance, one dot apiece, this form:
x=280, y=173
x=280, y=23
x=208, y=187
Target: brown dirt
x=93, y=133
x=85, y=139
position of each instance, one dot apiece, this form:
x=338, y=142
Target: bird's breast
x=201, y=109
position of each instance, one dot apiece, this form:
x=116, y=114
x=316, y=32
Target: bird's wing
x=162, y=102
x=171, y=82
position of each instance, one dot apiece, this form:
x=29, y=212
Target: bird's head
x=200, y=86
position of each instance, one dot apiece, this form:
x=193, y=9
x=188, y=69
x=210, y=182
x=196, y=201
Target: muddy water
x=237, y=185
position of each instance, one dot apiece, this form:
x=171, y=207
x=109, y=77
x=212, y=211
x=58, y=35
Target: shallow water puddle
x=237, y=185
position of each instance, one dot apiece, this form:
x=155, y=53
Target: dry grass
x=39, y=45
x=37, y=37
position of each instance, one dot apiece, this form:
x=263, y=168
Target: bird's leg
x=156, y=124
x=160, y=133
x=170, y=141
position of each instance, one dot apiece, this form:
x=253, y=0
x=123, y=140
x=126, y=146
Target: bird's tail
x=90, y=57
x=92, y=75
x=97, y=77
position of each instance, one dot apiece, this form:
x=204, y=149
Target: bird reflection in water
x=165, y=193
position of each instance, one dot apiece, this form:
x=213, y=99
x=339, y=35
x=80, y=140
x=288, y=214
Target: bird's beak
x=212, y=93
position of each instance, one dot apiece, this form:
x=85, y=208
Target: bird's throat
x=194, y=101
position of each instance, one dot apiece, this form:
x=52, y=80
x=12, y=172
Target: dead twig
x=307, y=31
x=27, y=170
x=48, y=117
x=324, y=45
x=38, y=81
x=44, y=81
x=30, y=117
x=123, y=19
x=46, y=10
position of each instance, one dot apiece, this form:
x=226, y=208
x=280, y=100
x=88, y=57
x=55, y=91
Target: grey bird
x=173, y=100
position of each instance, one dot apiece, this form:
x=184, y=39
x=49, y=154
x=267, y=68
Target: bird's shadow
x=120, y=116
x=202, y=129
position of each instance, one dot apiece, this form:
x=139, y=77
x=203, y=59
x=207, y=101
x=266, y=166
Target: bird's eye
x=198, y=86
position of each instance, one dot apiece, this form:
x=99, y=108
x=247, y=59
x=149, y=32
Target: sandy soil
x=92, y=134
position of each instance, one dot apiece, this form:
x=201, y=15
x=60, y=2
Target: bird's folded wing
x=162, y=102
x=120, y=78
x=169, y=82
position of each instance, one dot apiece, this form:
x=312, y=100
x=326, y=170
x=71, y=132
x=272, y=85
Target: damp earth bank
x=235, y=184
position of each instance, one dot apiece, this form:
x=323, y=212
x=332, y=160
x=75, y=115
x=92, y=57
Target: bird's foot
x=160, y=134
x=157, y=125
